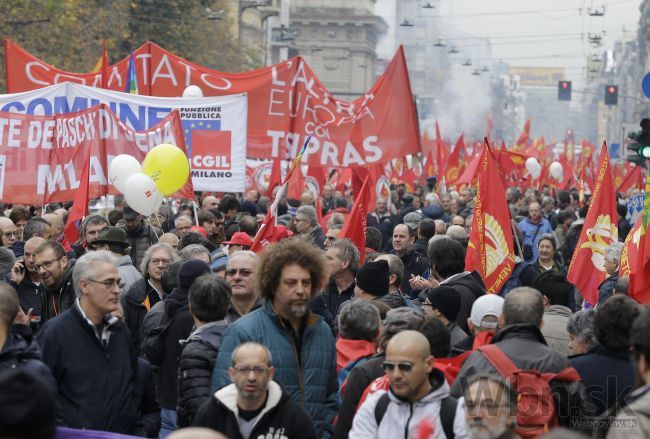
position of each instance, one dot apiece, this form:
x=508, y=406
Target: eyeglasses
x=45, y=265
x=244, y=272
x=10, y=234
x=159, y=261
x=257, y=370
x=388, y=367
x=109, y=283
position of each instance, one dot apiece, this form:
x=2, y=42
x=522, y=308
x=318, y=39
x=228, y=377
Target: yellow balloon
x=168, y=167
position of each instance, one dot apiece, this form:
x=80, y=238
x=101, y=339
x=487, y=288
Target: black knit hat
x=446, y=300
x=189, y=271
x=27, y=405
x=372, y=278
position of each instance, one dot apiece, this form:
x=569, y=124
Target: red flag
x=296, y=184
x=640, y=277
x=453, y=167
x=79, y=206
x=105, y=65
x=630, y=252
x=471, y=171
x=587, y=268
x=441, y=150
x=355, y=226
x=429, y=167
x=524, y=137
x=268, y=232
x=318, y=174
x=633, y=179
x=276, y=176
x=490, y=250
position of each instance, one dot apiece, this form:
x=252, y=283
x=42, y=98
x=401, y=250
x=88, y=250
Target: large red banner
x=41, y=157
x=286, y=102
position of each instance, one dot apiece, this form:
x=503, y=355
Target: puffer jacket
x=402, y=419
x=195, y=370
x=61, y=297
x=312, y=382
x=21, y=351
x=140, y=240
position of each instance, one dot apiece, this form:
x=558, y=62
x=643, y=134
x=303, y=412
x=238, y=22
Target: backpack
x=152, y=341
x=515, y=279
x=447, y=412
x=536, y=411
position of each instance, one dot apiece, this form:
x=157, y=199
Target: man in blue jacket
x=291, y=272
x=533, y=227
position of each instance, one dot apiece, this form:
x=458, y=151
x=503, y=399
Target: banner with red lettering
x=286, y=102
x=42, y=157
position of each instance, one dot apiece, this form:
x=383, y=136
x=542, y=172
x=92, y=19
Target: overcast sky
x=539, y=33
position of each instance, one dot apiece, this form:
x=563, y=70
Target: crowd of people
x=170, y=326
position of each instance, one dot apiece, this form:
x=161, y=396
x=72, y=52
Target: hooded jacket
x=61, y=297
x=281, y=417
x=309, y=376
x=402, y=418
x=21, y=351
x=198, y=355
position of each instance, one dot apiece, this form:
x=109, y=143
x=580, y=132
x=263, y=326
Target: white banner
x=214, y=127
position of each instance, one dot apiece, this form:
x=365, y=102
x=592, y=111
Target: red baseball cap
x=240, y=238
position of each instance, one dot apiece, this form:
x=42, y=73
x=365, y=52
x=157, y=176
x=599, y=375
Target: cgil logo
x=211, y=161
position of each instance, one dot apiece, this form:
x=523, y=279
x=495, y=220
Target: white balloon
x=531, y=164
x=536, y=172
x=556, y=170
x=192, y=91
x=121, y=168
x=141, y=194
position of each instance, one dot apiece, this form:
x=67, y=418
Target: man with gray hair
x=343, y=262
x=254, y=405
x=182, y=225
x=308, y=227
x=522, y=342
x=612, y=261
x=90, y=354
x=459, y=234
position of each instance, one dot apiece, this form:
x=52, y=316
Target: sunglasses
x=388, y=367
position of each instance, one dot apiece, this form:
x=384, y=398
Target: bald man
x=171, y=239
x=234, y=409
x=196, y=433
x=27, y=281
x=9, y=232
x=418, y=393
x=210, y=202
x=56, y=225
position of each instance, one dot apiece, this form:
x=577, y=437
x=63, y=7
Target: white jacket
x=402, y=417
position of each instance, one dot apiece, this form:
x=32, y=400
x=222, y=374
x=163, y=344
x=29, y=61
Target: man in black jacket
x=414, y=264
x=178, y=324
x=254, y=405
x=55, y=269
x=208, y=302
x=90, y=354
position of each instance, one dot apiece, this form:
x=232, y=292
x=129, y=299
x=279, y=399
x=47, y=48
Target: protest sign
x=41, y=157
x=214, y=128
x=287, y=102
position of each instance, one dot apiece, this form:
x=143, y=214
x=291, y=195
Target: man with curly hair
x=290, y=273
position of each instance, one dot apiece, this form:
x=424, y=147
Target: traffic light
x=564, y=90
x=611, y=94
x=639, y=148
